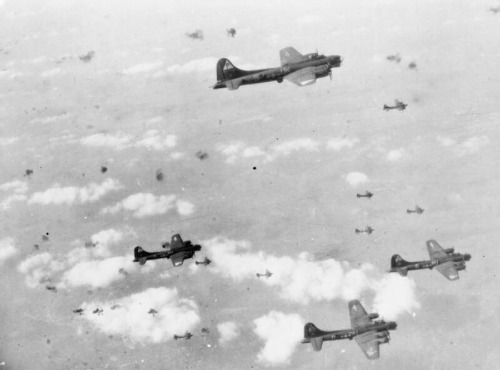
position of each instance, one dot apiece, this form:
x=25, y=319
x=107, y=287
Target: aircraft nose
x=467, y=257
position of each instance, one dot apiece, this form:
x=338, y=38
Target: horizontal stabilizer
x=403, y=271
x=317, y=343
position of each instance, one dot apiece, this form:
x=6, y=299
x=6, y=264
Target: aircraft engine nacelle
x=449, y=250
x=322, y=71
x=460, y=266
x=373, y=315
x=383, y=340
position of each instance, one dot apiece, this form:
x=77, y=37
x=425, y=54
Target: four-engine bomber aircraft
x=367, y=332
x=446, y=261
x=300, y=69
x=177, y=251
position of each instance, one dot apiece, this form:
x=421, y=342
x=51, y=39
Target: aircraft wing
x=369, y=344
x=448, y=270
x=178, y=259
x=302, y=77
x=358, y=314
x=435, y=250
x=290, y=55
x=176, y=241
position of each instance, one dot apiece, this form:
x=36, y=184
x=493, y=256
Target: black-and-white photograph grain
x=249, y=184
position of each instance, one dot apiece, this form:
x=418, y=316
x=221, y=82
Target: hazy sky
x=277, y=190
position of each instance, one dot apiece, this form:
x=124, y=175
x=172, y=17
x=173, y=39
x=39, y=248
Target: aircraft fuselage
x=378, y=326
x=429, y=264
x=322, y=65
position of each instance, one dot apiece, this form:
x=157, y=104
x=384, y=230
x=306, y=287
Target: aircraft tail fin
x=227, y=71
x=397, y=261
x=140, y=255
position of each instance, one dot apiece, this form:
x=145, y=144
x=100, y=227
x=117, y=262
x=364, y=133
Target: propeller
x=330, y=74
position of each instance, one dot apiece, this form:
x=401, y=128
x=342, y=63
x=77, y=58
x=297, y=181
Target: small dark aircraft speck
x=394, y=58
x=205, y=262
x=98, y=311
x=397, y=105
x=367, y=194
x=196, y=35
x=231, y=32
x=366, y=331
x=495, y=10
x=300, y=69
x=268, y=274
x=417, y=210
x=186, y=336
x=177, y=251
x=51, y=288
x=368, y=230
x=445, y=261
x=79, y=311
x=152, y=312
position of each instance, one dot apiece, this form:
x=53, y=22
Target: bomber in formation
x=446, y=261
x=398, y=105
x=365, y=330
x=300, y=69
x=177, y=251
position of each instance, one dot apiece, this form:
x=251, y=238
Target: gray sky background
x=143, y=103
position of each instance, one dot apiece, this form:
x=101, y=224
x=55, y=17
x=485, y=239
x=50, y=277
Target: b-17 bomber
x=198, y=34
x=365, y=330
x=186, y=336
x=446, y=261
x=177, y=251
x=367, y=194
x=417, y=210
x=268, y=274
x=231, y=32
x=79, y=311
x=368, y=230
x=205, y=262
x=300, y=69
x=397, y=105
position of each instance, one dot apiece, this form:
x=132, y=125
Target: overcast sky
x=107, y=105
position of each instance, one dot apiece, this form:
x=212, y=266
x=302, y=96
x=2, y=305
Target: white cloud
x=395, y=294
x=152, y=140
x=98, y=273
x=297, y=144
x=395, y=155
x=72, y=194
x=143, y=68
x=38, y=267
x=118, y=141
x=236, y=150
x=131, y=320
x=101, y=242
x=339, y=143
x=8, y=140
x=197, y=65
x=309, y=19
x=147, y=204
x=11, y=199
x=281, y=333
x=228, y=331
x=19, y=187
x=445, y=141
x=356, y=178
x=473, y=145
x=51, y=72
x=7, y=249
x=184, y=208
x=50, y=119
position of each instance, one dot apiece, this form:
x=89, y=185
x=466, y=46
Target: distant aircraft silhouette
x=198, y=34
x=186, y=336
x=231, y=32
x=397, y=105
x=368, y=230
x=417, y=210
x=367, y=194
x=268, y=274
x=205, y=262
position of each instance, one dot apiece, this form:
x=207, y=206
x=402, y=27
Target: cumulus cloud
x=445, y=141
x=473, y=145
x=72, y=194
x=194, y=66
x=339, y=143
x=7, y=249
x=228, y=331
x=131, y=320
x=143, y=68
x=101, y=243
x=395, y=155
x=18, y=188
x=8, y=140
x=281, y=333
x=356, y=178
x=118, y=141
x=236, y=150
x=395, y=294
x=151, y=139
x=39, y=267
x=147, y=204
x=303, y=279
x=98, y=273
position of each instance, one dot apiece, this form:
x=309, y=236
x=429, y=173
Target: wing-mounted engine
x=460, y=266
x=323, y=71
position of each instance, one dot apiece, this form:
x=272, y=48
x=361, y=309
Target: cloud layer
x=146, y=204
x=151, y=139
x=7, y=249
x=130, y=318
x=228, y=331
